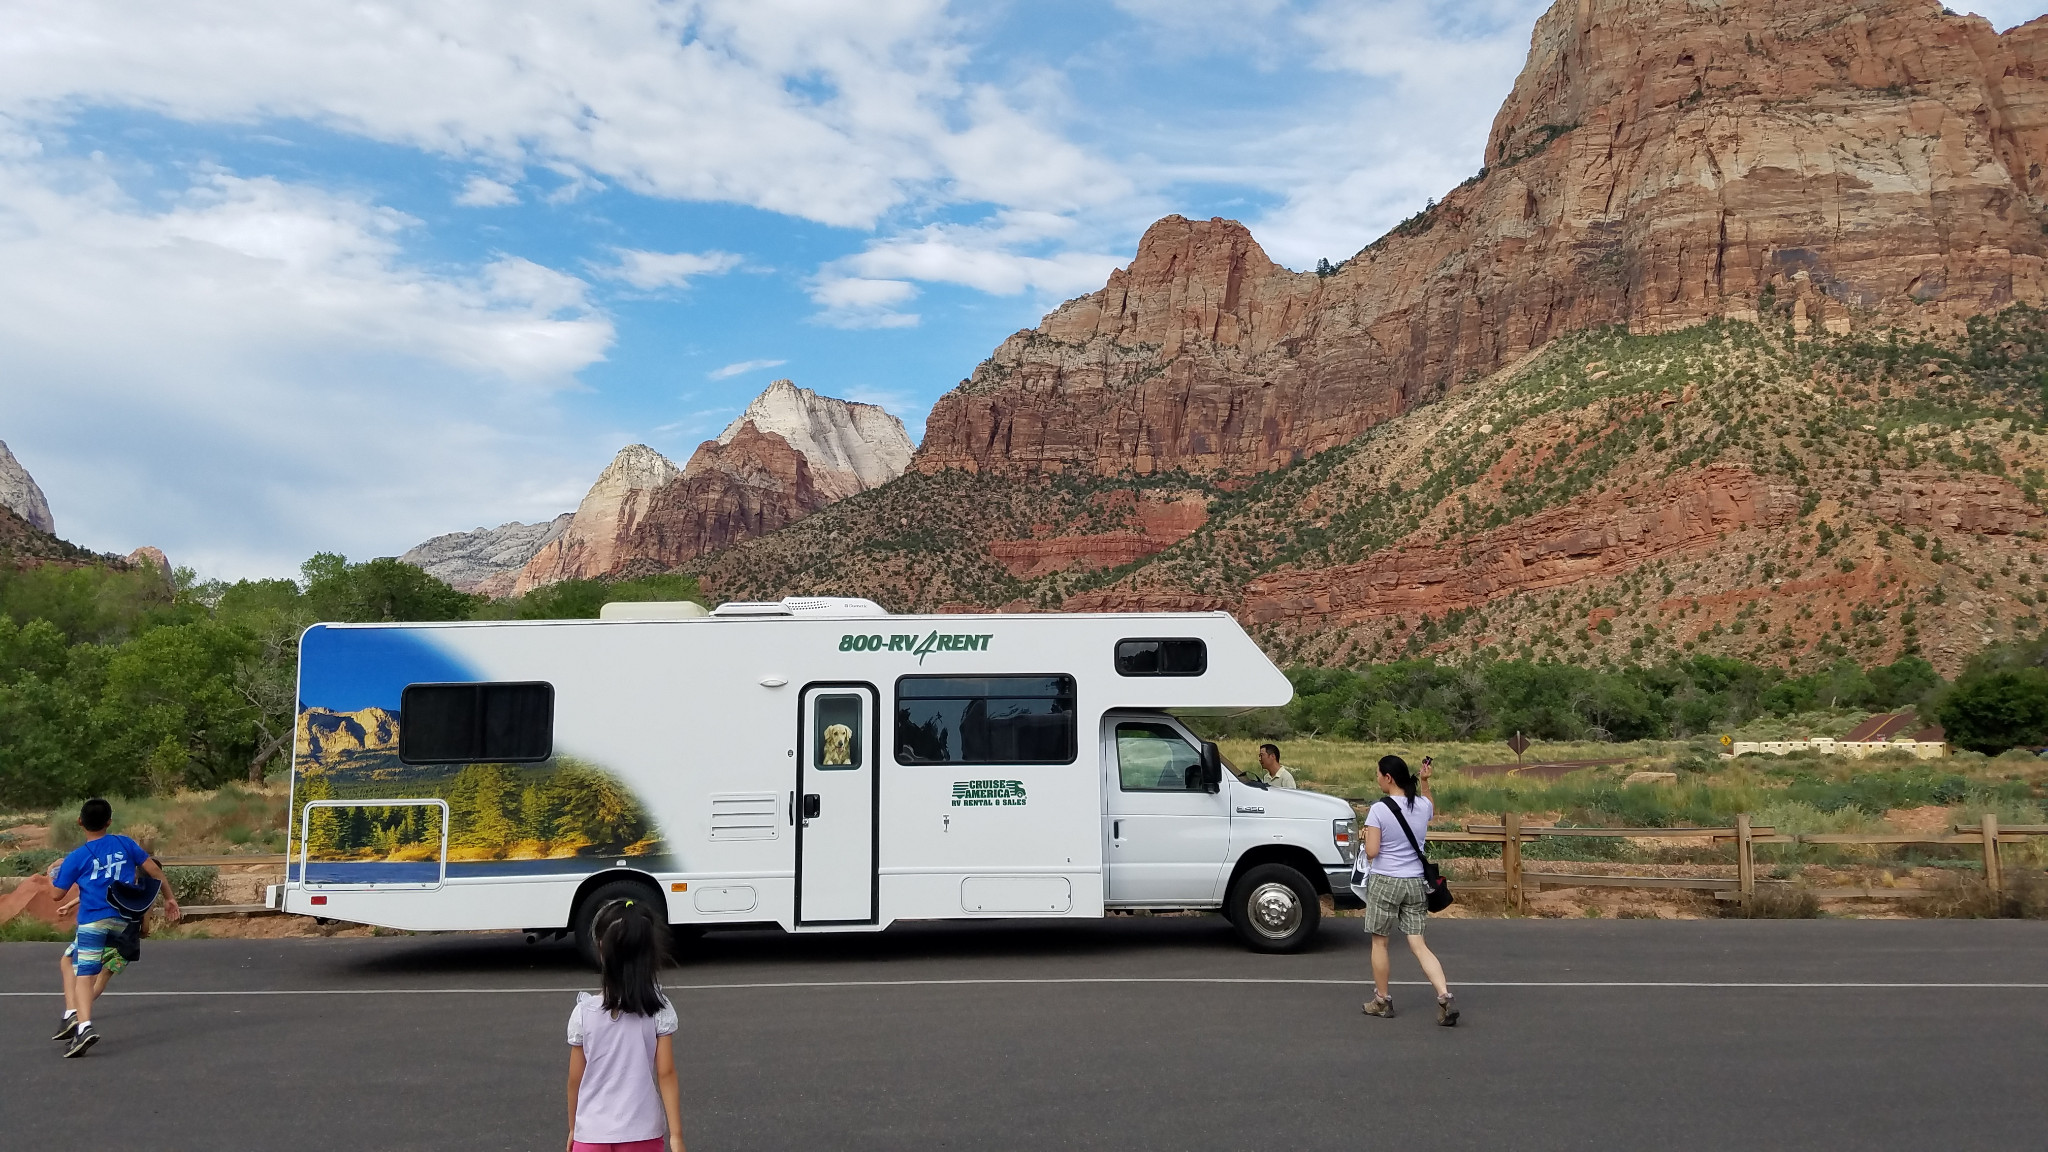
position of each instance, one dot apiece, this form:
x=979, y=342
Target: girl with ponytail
x=1395, y=892
x=623, y=1095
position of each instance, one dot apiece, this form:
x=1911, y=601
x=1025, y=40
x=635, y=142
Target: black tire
x=598, y=897
x=1274, y=908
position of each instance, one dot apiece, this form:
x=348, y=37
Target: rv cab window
x=1161, y=657
x=1154, y=758
x=985, y=720
x=469, y=723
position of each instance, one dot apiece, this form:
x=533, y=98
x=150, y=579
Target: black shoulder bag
x=1432, y=881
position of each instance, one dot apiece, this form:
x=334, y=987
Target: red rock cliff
x=1658, y=163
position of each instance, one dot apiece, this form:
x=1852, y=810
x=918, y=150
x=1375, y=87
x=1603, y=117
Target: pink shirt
x=618, y=1102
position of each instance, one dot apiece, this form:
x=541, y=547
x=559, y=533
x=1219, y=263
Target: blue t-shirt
x=95, y=864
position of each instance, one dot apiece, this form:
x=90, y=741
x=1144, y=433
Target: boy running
x=84, y=876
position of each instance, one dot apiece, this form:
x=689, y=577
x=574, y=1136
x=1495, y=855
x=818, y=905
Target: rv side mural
x=552, y=815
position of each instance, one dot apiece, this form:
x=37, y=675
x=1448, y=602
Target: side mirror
x=1212, y=766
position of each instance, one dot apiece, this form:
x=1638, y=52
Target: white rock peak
x=18, y=492
x=851, y=446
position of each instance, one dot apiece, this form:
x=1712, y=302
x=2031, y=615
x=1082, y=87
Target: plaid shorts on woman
x=1395, y=901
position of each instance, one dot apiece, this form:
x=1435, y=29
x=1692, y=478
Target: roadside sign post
x=1727, y=741
x=1520, y=744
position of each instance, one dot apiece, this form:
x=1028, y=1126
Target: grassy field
x=1800, y=793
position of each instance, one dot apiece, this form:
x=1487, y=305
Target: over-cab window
x=463, y=723
x=1161, y=657
x=985, y=720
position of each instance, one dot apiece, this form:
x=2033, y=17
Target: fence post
x=1994, y=876
x=1745, y=864
x=1511, y=857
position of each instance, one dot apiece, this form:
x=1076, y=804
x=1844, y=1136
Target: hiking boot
x=1380, y=1006
x=1446, y=1011
x=86, y=1037
x=69, y=1029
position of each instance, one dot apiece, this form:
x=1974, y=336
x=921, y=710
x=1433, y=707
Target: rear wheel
x=598, y=897
x=1274, y=908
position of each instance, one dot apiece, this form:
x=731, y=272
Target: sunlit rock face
x=1659, y=162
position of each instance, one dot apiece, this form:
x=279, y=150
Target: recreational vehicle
x=815, y=764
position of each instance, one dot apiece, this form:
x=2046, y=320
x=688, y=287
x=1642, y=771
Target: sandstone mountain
x=789, y=454
x=1657, y=164
x=486, y=560
x=19, y=494
x=592, y=542
x=851, y=447
x=1727, y=349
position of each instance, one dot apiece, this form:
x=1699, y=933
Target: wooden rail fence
x=1511, y=834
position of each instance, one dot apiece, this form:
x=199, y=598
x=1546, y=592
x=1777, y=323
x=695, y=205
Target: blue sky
x=342, y=276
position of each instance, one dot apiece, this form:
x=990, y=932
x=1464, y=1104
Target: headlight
x=1344, y=832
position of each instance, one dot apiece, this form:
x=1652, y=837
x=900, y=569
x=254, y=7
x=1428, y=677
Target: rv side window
x=466, y=723
x=1154, y=758
x=985, y=720
x=1161, y=657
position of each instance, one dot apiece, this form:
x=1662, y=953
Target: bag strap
x=1409, y=832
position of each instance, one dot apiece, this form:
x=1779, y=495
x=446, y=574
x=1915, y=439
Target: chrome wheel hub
x=1275, y=910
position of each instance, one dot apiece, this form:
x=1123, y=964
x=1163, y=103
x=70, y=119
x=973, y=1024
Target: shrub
x=197, y=886
x=26, y=928
x=1775, y=903
x=29, y=861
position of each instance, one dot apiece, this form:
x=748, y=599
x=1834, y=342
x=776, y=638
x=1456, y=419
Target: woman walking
x=623, y=1095
x=1395, y=896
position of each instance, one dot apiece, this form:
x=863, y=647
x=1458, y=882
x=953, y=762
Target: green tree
x=1992, y=709
x=379, y=590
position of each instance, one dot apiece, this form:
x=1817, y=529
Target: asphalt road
x=1125, y=1034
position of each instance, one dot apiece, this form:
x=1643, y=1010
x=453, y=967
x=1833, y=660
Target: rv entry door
x=835, y=812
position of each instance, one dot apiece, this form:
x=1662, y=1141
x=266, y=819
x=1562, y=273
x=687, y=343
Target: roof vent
x=802, y=606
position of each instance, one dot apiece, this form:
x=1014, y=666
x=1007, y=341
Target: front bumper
x=1340, y=886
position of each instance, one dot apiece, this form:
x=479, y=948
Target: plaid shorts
x=1395, y=901
x=90, y=950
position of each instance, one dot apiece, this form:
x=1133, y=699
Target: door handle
x=811, y=805
x=1116, y=830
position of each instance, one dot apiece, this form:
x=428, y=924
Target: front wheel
x=1274, y=908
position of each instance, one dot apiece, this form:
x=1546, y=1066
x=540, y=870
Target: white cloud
x=650, y=270
x=830, y=110
x=858, y=302
x=1396, y=99
x=484, y=192
x=984, y=257
x=253, y=371
x=742, y=368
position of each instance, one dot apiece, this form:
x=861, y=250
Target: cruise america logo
x=917, y=646
x=988, y=793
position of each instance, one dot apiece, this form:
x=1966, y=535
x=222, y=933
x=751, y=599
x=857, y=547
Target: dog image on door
x=838, y=747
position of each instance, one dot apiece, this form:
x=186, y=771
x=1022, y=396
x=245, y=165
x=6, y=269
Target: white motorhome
x=816, y=764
